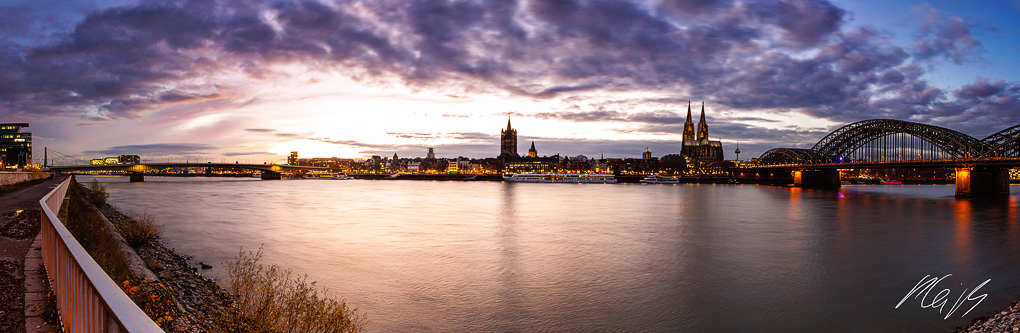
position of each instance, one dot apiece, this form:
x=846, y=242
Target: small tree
x=97, y=193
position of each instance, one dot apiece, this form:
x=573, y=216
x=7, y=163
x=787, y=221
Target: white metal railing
x=87, y=299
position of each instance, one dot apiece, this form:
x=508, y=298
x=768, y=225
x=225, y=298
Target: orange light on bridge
x=963, y=175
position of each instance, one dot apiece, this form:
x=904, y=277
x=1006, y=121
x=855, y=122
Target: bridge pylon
x=271, y=175
x=973, y=181
x=816, y=178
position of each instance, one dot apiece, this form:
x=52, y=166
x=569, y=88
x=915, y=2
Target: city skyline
x=349, y=79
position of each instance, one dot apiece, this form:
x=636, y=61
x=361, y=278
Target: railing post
x=87, y=299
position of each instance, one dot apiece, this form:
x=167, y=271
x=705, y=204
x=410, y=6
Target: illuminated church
x=508, y=141
x=697, y=146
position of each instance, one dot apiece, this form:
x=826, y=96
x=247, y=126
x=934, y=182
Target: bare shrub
x=272, y=299
x=140, y=230
x=96, y=193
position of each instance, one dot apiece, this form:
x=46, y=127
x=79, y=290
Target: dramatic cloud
x=156, y=149
x=946, y=37
x=787, y=55
x=659, y=117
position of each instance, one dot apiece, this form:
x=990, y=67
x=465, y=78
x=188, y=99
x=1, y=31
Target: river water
x=493, y=256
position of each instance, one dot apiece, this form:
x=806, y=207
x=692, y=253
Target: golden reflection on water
x=962, y=232
x=794, y=207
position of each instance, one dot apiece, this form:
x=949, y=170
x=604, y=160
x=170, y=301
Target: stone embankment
x=199, y=298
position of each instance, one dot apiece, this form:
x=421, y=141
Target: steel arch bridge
x=1005, y=143
x=880, y=140
x=776, y=156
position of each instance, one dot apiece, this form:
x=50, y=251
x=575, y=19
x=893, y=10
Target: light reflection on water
x=492, y=256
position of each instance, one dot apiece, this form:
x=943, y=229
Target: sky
x=250, y=81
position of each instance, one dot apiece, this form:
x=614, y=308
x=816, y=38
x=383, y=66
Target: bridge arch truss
x=1005, y=143
x=780, y=156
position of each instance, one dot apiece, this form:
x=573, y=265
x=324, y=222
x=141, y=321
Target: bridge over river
x=137, y=171
x=982, y=165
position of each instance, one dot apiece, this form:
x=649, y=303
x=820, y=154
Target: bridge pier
x=136, y=177
x=824, y=178
x=978, y=181
x=271, y=175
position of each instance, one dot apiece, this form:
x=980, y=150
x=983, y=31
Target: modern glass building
x=15, y=146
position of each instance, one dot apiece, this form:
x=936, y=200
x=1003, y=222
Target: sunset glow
x=229, y=80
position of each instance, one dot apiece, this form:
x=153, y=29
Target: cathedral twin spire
x=702, y=133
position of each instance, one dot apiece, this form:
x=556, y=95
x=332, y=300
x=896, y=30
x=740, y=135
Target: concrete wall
x=9, y=178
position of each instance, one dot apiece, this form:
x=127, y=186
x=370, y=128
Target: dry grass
x=272, y=299
x=84, y=222
x=140, y=230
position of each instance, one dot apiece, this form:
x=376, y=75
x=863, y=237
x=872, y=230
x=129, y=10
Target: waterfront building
x=674, y=164
x=697, y=146
x=532, y=152
x=508, y=141
x=647, y=154
x=129, y=159
x=453, y=166
x=15, y=146
x=431, y=154
x=633, y=166
x=531, y=164
x=292, y=159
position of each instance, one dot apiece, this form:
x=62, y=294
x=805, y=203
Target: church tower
x=532, y=152
x=702, y=124
x=689, y=125
x=508, y=141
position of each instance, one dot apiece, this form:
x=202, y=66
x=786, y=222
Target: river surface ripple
x=493, y=256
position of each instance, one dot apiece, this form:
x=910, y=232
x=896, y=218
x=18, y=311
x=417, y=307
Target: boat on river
x=660, y=180
x=582, y=178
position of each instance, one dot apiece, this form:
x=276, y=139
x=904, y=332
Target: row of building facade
x=698, y=155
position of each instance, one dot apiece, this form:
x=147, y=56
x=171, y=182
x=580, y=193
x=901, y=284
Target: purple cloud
x=123, y=62
x=946, y=37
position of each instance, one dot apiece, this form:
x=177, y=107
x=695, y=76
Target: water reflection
x=510, y=305
x=476, y=256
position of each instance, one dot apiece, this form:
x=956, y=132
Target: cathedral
x=697, y=146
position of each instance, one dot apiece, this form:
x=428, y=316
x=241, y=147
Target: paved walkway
x=14, y=249
x=36, y=288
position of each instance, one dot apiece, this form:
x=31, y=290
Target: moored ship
x=660, y=180
x=596, y=178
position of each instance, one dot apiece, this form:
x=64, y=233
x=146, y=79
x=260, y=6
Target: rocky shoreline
x=200, y=300
x=1007, y=320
